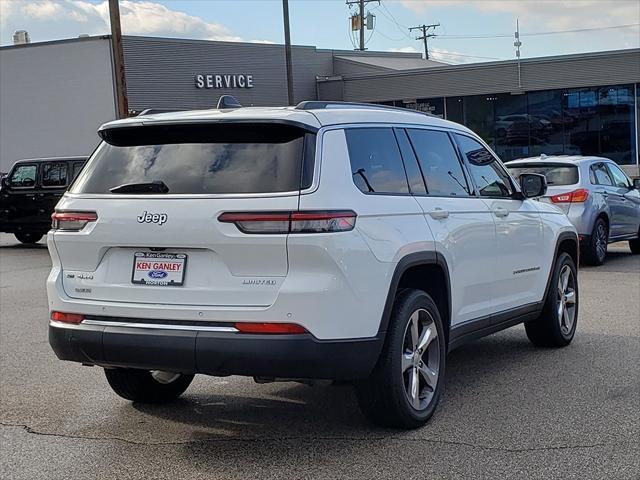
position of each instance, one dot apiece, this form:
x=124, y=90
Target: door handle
x=438, y=214
x=500, y=212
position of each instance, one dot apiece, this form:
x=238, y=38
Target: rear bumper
x=216, y=353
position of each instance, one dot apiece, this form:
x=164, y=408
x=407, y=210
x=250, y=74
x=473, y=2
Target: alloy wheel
x=601, y=241
x=566, y=303
x=420, y=359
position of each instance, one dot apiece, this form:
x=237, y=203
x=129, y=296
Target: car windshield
x=211, y=159
x=558, y=174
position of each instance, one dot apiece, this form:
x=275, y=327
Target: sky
x=470, y=30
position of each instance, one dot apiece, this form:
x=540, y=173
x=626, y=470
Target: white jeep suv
x=350, y=242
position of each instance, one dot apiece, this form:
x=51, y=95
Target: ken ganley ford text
x=224, y=81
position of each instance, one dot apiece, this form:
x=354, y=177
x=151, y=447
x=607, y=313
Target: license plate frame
x=169, y=269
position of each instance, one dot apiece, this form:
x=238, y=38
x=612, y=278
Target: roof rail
x=322, y=105
x=153, y=111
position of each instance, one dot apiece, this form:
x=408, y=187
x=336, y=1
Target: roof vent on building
x=228, y=101
x=21, y=37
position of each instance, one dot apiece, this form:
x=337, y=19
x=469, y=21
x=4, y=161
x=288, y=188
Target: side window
x=619, y=178
x=376, y=164
x=23, y=176
x=490, y=177
x=600, y=174
x=439, y=162
x=416, y=182
x=75, y=169
x=54, y=174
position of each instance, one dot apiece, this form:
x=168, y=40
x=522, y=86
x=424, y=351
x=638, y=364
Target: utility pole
x=118, y=60
x=518, y=44
x=287, y=50
x=361, y=4
x=425, y=36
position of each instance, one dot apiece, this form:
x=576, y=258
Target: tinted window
x=24, y=176
x=75, y=169
x=207, y=159
x=376, y=164
x=555, y=174
x=490, y=178
x=416, y=183
x=600, y=175
x=54, y=174
x=619, y=178
x=439, y=163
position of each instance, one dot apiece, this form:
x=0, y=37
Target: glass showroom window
x=545, y=107
x=600, y=121
x=514, y=126
x=479, y=116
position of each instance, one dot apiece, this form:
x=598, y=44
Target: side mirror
x=636, y=183
x=533, y=185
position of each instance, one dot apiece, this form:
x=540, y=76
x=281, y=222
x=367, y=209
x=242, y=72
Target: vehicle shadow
x=290, y=410
x=618, y=260
x=24, y=246
x=496, y=378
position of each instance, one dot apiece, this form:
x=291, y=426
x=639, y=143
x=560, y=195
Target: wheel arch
x=567, y=242
x=426, y=271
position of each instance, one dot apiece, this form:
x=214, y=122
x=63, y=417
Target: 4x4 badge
x=147, y=217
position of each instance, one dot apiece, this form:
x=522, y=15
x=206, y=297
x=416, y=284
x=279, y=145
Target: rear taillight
x=63, y=317
x=577, y=196
x=72, y=221
x=270, y=328
x=291, y=222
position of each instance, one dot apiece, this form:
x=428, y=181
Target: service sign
x=224, y=81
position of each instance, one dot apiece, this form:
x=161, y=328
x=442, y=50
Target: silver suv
x=597, y=196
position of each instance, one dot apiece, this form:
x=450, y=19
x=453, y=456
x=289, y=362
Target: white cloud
x=49, y=19
x=439, y=54
x=552, y=14
x=42, y=10
x=404, y=50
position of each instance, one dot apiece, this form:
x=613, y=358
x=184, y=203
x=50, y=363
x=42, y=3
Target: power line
x=399, y=26
x=454, y=54
x=552, y=32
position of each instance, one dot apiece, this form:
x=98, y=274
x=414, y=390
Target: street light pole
x=122, y=102
x=287, y=50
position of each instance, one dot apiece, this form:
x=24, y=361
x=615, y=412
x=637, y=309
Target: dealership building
x=54, y=95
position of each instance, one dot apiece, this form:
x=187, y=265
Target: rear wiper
x=157, y=186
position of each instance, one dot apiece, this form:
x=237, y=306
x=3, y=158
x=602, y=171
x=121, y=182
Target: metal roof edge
x=483, y=65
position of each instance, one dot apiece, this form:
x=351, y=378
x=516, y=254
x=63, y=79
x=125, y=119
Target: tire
x=385, y=397
x=556, y=325
x=28, y=238
x=595, y=251
x=145, y=386
x=634, y=245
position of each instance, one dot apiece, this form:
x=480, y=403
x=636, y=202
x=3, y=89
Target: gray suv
x=597, y=196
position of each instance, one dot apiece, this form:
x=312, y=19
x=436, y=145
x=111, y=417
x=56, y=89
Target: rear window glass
x=555, y=174
x=54, y=174
x=376, y=164
x=202, y=159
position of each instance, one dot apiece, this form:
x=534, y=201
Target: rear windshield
x=202, y=159
x=560, y=174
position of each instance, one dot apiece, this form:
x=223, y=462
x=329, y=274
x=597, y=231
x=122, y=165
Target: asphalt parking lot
x=509, y=410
